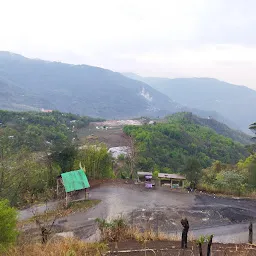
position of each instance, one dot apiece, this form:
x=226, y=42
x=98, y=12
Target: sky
x=167, y=38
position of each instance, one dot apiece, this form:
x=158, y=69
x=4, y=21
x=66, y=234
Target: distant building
x=46, y=110
x=172, y=180
x=117, y=151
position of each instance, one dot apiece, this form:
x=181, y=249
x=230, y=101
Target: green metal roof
x=75, y=180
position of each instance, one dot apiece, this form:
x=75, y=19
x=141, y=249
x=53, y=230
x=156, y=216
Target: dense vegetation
x=36, y=147
x=95, y=160
x=239, y=179
x=167, y=146
x=38, y=130
x=221, y=128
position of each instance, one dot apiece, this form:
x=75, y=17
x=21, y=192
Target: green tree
x=252, y=127
x=193, y=171
x=252, y=174
x=65, y=158
x=230, y=181
x=8, y=222
x=252, y=165
x=96, y=160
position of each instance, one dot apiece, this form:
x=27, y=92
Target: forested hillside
x=38, y=131
x=37, y=147
x=166, y=146
x=219, y=128
x=13, y=97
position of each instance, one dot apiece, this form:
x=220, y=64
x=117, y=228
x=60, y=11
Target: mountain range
x=32, y=84
x=233, y=102
x=79, y=89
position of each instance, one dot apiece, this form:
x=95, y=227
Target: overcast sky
x=170, y=38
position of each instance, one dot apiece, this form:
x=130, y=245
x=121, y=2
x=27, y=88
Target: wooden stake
x=250, y=240
x=66, y=200
x=200, y=249
x=57, y=188
x=209, y=246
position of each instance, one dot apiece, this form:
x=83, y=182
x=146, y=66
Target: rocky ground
x=112, y=137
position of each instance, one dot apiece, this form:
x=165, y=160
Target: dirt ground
x=113, y=137
x=161, y=209
x=164, y=248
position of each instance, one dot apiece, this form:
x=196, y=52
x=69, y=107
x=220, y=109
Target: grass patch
x=118, y=230
x=67, y=247
x=62, y=211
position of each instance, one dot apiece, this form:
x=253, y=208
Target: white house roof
x=171, y=176
x=117, y=151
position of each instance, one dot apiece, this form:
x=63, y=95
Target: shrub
x=121, y=157
x=112, y=231
x=66, y=247
x=8, y=221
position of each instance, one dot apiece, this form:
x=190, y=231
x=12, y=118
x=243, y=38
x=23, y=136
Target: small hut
x=75, y=184
x=172, y=180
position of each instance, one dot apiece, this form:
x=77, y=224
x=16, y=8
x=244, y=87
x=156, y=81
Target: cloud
x=162, y=38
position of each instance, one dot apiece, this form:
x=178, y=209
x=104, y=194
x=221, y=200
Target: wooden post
x=184, y=237
x=57, y=187
x=209, y=246
x=157, y=226
x=171, y=183
x=200, y=249
x=250, y=240
x=66, y=200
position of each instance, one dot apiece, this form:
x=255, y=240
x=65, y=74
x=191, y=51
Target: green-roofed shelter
x=73, y=181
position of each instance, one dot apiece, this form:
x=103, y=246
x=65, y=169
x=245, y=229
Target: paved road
x=227, y=219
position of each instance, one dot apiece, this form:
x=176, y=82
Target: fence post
x=157, y=229
x=209, y=246
x=250, y=240
x=132, y=220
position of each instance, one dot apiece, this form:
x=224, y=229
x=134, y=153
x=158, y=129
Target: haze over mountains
x=80, y=89
x=233, y=102
x=31, y=84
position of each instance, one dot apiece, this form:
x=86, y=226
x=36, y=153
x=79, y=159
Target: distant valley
x=233, y=102
x=32, y=84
